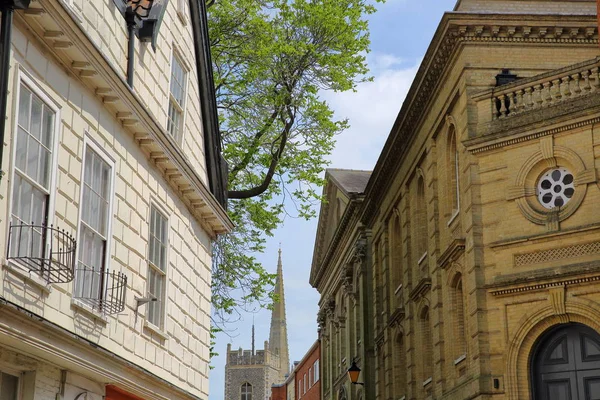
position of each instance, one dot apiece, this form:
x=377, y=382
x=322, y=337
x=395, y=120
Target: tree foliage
x=272, y=61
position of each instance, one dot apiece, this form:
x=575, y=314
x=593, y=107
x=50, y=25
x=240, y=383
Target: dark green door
x=566, y=364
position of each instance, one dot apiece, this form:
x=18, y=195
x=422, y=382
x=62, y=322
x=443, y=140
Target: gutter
x=216, y=166
x=7, y=8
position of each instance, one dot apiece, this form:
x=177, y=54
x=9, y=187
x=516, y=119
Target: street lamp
x=354, y=373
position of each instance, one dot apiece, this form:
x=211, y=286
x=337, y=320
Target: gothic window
x=426, y=346
x=459, y=319
x=246, y=391
x=453, y=170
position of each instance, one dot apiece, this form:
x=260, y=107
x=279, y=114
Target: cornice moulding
x=108, y=82
x=30, y=332
x=455, y=30
x=349, y=218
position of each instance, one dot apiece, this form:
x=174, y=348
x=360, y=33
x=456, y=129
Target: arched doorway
x=566, y=364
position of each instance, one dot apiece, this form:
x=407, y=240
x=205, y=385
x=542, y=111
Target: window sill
x=29, y=277
x=398, y=289
x=155, y=330
x=460, y=359
x=453, y=217
x=181, y=16
x=85, y=309
x=427, y=381
x=422, y=258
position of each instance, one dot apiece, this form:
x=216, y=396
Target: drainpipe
x=130, y=20
x=6, y=8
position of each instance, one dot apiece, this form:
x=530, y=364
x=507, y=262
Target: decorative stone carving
x=524, y=194
x=558, y=301
x=360, y=250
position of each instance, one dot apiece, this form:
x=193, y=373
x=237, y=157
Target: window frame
x=176, y=54
x=246, y=384
x=161, y=210
x=316, y=371
x=16, y=374
x=108, y=159
x=304, y=383
x=24, y=78
x=181, y=8
x=453, y=173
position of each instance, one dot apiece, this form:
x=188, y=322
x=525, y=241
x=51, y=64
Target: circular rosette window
x=555, y=188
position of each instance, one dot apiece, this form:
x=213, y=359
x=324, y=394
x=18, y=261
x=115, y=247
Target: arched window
x=426, y=346
x=421, y=227
x=396, y=254
x=460, y=345
x=399, y=366
x=453, y=171
x=246, y=391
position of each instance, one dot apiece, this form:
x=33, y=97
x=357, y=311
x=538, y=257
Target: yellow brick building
x=466, y=265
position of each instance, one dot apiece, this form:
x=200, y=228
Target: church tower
x=278, y=343
x=252, y=372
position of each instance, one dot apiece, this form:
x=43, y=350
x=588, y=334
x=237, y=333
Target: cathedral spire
x=278, y=342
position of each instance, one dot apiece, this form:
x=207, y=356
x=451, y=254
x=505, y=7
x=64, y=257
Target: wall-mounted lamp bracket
x=140, y=301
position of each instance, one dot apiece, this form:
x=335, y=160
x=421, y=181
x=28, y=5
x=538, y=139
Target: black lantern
x=354, y=373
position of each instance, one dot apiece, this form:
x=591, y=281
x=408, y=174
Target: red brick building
x=279, y=392
x=308, y=382
x=304, y=381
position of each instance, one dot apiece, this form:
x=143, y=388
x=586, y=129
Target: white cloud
x=371, y=111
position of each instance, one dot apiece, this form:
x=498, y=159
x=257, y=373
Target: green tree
x=272, y=59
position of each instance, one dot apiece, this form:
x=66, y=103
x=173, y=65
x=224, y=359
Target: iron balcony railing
x=46, y=250
x=102, y=290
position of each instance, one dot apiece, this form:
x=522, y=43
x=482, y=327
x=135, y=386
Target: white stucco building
x=112, y=193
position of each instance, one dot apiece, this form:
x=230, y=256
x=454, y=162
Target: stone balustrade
x=545, y=90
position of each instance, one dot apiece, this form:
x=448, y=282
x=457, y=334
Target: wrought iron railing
x=46, y=250
x=102, y=290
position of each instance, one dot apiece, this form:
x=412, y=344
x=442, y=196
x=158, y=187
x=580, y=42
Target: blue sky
x=400, y=33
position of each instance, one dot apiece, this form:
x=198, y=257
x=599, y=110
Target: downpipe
x=130, y=20
x=5, y=43
x=7, y=8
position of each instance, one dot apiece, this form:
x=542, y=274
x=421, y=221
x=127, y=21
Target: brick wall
x=304, y=381
x=278, y=392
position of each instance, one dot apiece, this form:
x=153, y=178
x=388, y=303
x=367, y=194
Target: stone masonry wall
x=105, y=26
x=178, y=352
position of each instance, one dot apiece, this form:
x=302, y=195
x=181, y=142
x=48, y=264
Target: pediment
x=341, y=187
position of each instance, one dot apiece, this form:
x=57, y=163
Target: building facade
x=110, y=197
x=466, y=266
x=250, y=374
x=305, y=376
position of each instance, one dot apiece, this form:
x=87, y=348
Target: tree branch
x=257, y=190
x=254, y=146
